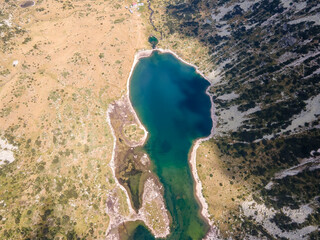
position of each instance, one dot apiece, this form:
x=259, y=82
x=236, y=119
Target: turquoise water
x=170, y=100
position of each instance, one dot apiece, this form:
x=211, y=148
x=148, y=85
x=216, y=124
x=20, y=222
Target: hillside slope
x=260, y=171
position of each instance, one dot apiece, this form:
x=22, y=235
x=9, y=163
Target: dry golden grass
x=223, y=188
x=74, y=59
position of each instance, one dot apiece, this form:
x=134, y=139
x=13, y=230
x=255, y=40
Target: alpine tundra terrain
x=260, y=172
x=63, y=64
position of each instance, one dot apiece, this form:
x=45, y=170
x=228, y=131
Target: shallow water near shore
x=170, y=100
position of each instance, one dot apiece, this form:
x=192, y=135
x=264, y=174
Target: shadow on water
x=134, y=231
x=141, y=233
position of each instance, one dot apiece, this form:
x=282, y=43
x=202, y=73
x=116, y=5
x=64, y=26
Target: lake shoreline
x=152, y=186
x=213, y=231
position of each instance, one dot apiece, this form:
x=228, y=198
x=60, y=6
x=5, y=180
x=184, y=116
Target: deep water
x=170, y=100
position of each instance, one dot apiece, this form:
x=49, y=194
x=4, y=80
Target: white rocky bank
x=6, y=152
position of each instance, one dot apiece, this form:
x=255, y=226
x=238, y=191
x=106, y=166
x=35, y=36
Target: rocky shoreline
x=152, y=204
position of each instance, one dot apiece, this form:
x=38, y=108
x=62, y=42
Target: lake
x=170, y=100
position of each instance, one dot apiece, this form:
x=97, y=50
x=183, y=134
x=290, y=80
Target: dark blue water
x=170, y=100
